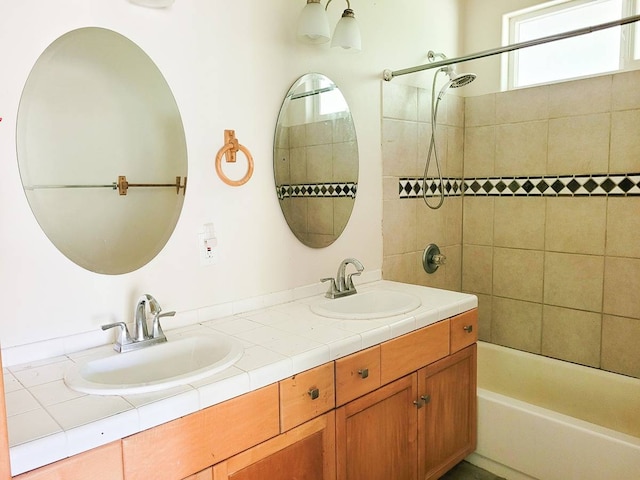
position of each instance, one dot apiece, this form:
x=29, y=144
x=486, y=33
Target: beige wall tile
x=479, y=151
x=478, y=214
x=281, y=166
x=625, y=94
x=573, y=281
x=521, y=148
x=399, y=226
x=623, y=227
x=297, y=136
x=622, y=287
x=455, y=110
x=576, y=225
x=453, y=224
x=399, y=101
x=620, y=340
x=424, y=141
x=571, y=335
x=484, y=317
x=519, y=222
x=400, y=268
x=424, y=107
x=518, y=274
x=522, y=105
x=477, y=269
x=430, y=226
x=298, y=218
x=453, y=267
x=399, y=147
x=390, y=188
x=480, y=110
x=516, y=324
x=580, y=97
x=342, y=208
x=344, y=130
x=625, y=142
x=455, y=152
x=579, y=144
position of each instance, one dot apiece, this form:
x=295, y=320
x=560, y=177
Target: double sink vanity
x=380, y=384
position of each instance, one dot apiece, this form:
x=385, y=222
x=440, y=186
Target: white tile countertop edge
x=49, y=422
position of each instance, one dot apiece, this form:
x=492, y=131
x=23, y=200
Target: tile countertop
x=48, y=421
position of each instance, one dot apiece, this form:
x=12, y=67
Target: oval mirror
x=101, y=150
x=315, y=160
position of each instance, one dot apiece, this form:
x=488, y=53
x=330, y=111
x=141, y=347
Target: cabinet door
x=306, y=452
x=447, y=420
x=376, y=434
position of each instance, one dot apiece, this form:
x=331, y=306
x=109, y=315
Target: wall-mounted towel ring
x=229, y=150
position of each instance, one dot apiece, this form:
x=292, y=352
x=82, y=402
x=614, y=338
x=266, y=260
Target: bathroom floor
x=466, y=471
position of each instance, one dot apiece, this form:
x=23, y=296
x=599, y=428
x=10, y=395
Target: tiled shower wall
x=556, y=274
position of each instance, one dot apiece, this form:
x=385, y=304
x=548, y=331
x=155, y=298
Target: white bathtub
x=551, y=420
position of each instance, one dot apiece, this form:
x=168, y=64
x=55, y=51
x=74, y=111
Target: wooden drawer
x=412, y=351
x=190, y=444
x=464, y=330
x=306, y=395
x=357, y=374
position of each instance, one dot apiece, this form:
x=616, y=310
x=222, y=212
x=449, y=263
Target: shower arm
x=388, y=74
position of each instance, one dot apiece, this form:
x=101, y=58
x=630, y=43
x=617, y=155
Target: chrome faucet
x=141, y=337
x=342, y=285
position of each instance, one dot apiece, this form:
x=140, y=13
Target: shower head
x=456, y=80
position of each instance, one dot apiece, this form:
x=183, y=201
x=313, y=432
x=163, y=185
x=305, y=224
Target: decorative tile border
x=338, y=189
x=618, y=185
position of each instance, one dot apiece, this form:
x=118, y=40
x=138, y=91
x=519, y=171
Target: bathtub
x=540, y=418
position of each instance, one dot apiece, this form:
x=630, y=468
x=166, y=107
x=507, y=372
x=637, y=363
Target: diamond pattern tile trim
x=618, y=185
x=339, y=189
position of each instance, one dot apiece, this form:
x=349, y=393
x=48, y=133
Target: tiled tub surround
x=558, y=275
x=556, y=272
x=48, y=421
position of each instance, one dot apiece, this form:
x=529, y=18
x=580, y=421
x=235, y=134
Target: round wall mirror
x=102, y=151
x=315, y=160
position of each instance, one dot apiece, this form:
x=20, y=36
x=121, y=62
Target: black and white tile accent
x=338, y=189
x=618, y=185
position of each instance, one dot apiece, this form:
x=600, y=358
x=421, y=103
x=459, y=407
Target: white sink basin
x=368, y=305
x=176, y=362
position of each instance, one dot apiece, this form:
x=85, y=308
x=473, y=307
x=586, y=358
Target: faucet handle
x=157, y=328
x=350, y=285
x=333, y=289
x=123, y=338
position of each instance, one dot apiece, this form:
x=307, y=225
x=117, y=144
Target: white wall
x=229, y=63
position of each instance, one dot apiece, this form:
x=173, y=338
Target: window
x=607, y=50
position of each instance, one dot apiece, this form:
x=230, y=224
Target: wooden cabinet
x=406, y=410
x=421, y=425
x=447, y=419
x=376, y=435
x=190, y=444
x=102, y=463
x=306, y=452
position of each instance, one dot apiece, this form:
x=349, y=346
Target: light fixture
x=313, y=27
x=153, y=3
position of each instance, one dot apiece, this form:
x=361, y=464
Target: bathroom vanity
x=403, y=407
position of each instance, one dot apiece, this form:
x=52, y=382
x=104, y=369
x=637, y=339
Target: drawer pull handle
x=468, y=328
x=426, y=398
x=418, y=403
x=364, y=373
x=314, y=393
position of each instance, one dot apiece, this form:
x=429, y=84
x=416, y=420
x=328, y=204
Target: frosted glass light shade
x=153, y=3
x=313, y=24
x=347, y=33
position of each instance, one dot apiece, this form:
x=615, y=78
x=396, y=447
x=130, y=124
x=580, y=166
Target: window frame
x=629, y=38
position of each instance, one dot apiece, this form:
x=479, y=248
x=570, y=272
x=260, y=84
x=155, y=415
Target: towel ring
x=229, y=150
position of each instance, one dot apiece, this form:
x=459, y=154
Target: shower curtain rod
x=388, y=74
